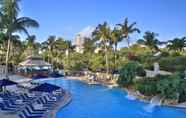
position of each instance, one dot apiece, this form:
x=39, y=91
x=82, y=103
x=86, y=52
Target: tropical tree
x=48, y=46
x=177, y=44
x=31, y=42
x=116, y=37
x=128, y=29
x=102, y=33
x=16, y=50
x=13, y=23
x=55, y=49
x=150, y=40
x=89, y=45
x=60, y=48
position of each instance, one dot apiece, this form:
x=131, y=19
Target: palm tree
x=102, y=33
x=177, y=44
x=16, y=50
x=116, y=37
x=150, y=40
x=12, y=23
x=48, y=46
x=128, y=29
x=32, y=47
x=89, y=45
x=31, y=42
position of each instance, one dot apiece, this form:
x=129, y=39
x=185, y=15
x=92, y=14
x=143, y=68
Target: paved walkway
x=150, y=73
x=65, y=101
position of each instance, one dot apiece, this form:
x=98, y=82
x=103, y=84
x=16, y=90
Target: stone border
x=60, y=104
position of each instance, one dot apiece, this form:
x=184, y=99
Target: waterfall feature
x=130, y=96
x=155, y=101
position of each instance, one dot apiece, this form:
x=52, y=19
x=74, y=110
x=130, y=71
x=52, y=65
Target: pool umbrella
x=45, y=88
x=6, y=82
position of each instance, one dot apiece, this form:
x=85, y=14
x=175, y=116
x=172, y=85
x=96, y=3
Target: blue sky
x=66, y=18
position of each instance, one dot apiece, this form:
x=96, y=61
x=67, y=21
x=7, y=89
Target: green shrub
x=147, y=86
x=141, y=71
x=165, y=54
x=182, y=91
x=173, y=64
x=127, y=73
x=169, y=87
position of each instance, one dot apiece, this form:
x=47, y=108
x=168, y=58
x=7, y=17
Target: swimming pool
x=96, y=101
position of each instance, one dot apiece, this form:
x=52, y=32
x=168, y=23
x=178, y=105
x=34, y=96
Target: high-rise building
x=78, y=42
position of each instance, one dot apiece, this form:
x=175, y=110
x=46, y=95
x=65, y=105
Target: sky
x=67, y=18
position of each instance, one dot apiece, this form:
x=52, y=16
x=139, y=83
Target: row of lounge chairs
x=25, y=105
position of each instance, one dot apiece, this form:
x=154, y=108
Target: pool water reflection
x=96, y=101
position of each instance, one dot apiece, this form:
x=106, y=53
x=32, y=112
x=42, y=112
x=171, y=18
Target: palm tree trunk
x=7, y=57
x=128, y=42
x=106, y=60
x=68, y=59
x=115, y=56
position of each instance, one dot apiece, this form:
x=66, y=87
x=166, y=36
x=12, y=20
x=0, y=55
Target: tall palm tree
x=177, y=44
x=32, y=47
x=31, y=42
x=116, y=37
x=128, y=29
x=49, y=46
x=12, y=23
x=150, y=40
x=102, y=33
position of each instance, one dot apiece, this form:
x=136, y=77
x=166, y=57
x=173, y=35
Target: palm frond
x=141, y=41
x=27, y=22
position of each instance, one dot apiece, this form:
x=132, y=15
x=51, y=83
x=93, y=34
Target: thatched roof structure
x=34, y=61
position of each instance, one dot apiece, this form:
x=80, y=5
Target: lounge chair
x=33, y=112
x=33, y=109
x=7, y=109
x=24, y=114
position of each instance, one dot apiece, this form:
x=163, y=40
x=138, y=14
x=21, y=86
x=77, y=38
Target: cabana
x=34, y=66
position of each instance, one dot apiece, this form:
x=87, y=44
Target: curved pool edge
x=137, y=98
x=61, y=104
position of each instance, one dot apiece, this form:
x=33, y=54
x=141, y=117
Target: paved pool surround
x=60, y=104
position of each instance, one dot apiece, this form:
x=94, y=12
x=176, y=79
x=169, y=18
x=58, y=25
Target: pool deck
x=65, y=101
x=52, y=113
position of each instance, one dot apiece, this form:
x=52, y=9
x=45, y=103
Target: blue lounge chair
x=5, y=108
x=33, y=113
x=24, y=114
x=32, y=108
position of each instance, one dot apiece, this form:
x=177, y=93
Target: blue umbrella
x=45, y=88
x=6, y=82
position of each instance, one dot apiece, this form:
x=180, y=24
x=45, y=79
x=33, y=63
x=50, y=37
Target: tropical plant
x=127, y=73
x=147, y=86
x=77, y=62
x=12, y=23
x=31, y=42
x=128, y=29
x=169, y=87
x=89, y=45
x=116, y=37
x=177, y=44
x=102, y=33
x=173, y=64
x=150, y=40
x=48, y=46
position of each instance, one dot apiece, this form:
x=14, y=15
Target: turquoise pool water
x=95, y=101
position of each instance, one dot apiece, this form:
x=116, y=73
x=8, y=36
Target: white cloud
x=87, y=32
